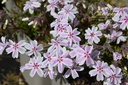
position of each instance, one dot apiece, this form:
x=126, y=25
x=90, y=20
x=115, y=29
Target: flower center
x=100, y=69
x=35, y=65
x=92, y=34
x=15, y=46
x=60, y=59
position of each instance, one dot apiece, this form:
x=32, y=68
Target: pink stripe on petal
x=32, y=72
x=74, y=74
x=99, y=77
x=60, y=67
x=15, y=54
x=40, y=72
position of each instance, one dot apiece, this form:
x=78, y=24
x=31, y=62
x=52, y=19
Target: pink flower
x=117, y=56
x=61, y=60
x=3, y=44
x=114, y=35
x=15, y=48
x=92, y=35
x=56, y=44
x=103, y=26
x=69, y=11
x=119, y=12
x=52, y=5
x=59, y=21
x=85, y=55
x=71, y=35
x=36, y=65
x=49, y=59
x=34, y=48
x=124, y=22
x=115, y=75
x=73, y=71
x=30, y=5
x=100, y=69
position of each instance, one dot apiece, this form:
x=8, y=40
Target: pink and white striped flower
x=124, y=22
x=92, y=35
x=100, y=69
x=85, y=55
x=69, y=11
x=30, y=5
x=119, y=13
x=115, y=76
x=16, y=48
x=61, y=60
x=49, y=71
x=34, y=48
x=36, y=65
x=71, y=35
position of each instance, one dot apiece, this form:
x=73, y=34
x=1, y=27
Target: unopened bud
x=32, y=22
x=25, y=19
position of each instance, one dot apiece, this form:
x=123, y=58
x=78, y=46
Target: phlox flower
x=36, y=65
x=119, y=13
x=60, y=29
x=61, y=60
x=124, y=22
x=3, y=44
x=92, y=35
x=16, y=48
x=52, y=5
x=71, y=35
x=100, y=69
x=30, y=5
x=114, y=35
x=103, y=26
x=115, y=75
x=117, y=56
x=85, y=55
x=56, y=44
x=73, y=71
x=34, y=48
x=69, y=11
x=49, y=58
x=59, y=21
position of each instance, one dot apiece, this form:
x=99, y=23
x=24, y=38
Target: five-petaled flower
x=62, y=60
x=69, y=11
x=71, y=35
x=30, y=5
x=115, y=75
x=100, y=69
x=92, y=35
x=34, y=48
x=15, y=48
x=36, y=65
x=85, y=55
